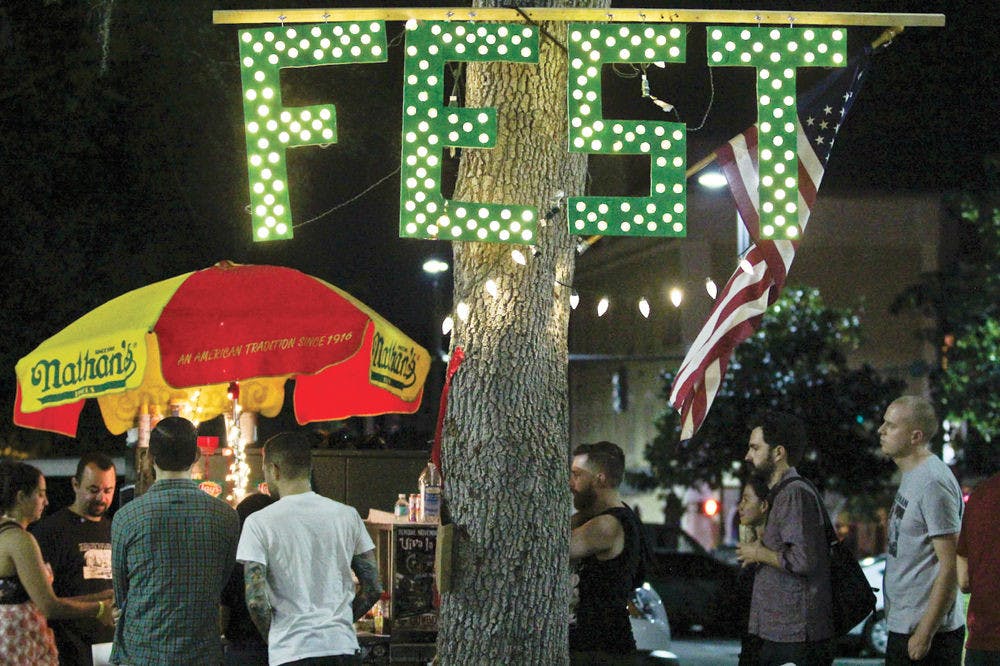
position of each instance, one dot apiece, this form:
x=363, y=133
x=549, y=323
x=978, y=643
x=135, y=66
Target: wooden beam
x=543, y=14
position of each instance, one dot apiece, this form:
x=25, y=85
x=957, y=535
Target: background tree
x=796, y=362
x=963, y=301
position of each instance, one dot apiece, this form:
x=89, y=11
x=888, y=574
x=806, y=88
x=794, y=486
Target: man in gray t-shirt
x=923, y=603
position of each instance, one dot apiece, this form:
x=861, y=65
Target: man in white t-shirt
x=298, y=555
x=923, y=603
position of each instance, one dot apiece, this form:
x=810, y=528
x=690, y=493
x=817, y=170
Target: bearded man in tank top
x=606, y=552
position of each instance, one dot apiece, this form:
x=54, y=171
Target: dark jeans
x=245, y=653
x=335, y=660
x=982, y=658
x=603, y=659
x=946, y=649
x=806, y=653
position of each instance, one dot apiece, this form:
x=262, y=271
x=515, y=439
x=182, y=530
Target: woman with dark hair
x=753, y=508
x=26, y=596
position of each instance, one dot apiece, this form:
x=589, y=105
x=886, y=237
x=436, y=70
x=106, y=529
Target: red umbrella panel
x=189, y=338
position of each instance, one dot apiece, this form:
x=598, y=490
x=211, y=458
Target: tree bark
x=506, y=434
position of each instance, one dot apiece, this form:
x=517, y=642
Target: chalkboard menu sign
x=414, y=596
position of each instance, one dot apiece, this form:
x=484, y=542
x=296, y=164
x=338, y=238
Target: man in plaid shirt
x=172, y=551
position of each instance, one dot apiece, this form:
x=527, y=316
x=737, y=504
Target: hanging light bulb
x=447, y=325
x=574, y=299
x=491, y=288
x=644, y=307
x=602, y=306
x=676, y=296
x=746, y=266
x=463, y=311
x=711, y=288
x=518, y=257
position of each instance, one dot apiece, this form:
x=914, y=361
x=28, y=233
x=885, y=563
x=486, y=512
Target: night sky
x=118, y=177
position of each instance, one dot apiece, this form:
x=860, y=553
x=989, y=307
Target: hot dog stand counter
x=414, y=561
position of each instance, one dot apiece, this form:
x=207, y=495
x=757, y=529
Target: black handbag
x=853, y=597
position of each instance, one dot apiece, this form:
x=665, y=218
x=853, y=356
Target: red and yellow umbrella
x=191, y=339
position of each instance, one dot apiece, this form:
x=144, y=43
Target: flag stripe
x=741, y=305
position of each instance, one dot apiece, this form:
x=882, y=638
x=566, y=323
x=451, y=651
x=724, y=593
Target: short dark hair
x=15, y=477
x=292, y=451
x=173, y=444
x=759, y=483
x=783, y=429
x=253, y=503
x=607, y=456
x=96, y=458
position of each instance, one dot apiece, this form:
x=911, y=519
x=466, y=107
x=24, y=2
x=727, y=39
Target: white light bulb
x=712, y=179
x=447, y=325
x=644, y=307
x=574, y=299
x=463, y=311
x=711, y=288
x=518, y=257
x=746, y=266
x=676, y=296
x=602, y=306
x=491, y=288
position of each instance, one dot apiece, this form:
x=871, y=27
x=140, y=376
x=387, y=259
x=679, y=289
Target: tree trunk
x=506, y=433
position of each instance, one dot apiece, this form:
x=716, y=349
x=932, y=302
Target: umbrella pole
x=240, y=432
x=143, y=469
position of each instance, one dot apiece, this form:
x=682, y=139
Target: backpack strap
x=831, y=536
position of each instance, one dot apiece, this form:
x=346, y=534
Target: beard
x=96, y=509
x=584, y=499
x=765, y=469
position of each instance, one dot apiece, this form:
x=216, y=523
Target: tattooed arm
x=254, y=576
x=366, y=569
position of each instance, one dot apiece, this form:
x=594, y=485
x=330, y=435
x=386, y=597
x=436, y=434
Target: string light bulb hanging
x=711, y=287
x=602, y=306
x=644, y=307
x=518, y=257
x=447, y=325
x=676, y=296
x=462, y=309
x=574, y=299
x=491, y=288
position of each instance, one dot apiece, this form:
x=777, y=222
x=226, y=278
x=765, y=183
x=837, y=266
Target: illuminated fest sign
x=429, y=127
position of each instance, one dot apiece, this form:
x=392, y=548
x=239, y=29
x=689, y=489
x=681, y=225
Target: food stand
x=414, y=562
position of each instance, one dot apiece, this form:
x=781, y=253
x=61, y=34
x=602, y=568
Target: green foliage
x=796, y=362
x=963, y=298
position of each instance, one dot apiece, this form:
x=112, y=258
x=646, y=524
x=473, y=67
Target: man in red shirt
x=978, y=569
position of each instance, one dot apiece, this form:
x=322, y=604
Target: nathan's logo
x=93, y=371
x=393, y=365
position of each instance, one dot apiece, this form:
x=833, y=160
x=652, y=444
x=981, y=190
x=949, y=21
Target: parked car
x=872, y=634
x=650, y=627
x=698, y=590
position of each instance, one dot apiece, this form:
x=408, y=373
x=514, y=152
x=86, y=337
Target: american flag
x=740, y=306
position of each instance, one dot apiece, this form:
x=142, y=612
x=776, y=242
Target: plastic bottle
x=402, y=506
x=430, y=494
x=382, y=614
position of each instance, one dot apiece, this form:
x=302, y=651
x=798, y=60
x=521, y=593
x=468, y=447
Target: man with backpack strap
x=791, y=607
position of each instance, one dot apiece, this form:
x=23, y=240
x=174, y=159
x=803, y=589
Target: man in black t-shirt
x=606, y=550
x=76, y=543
